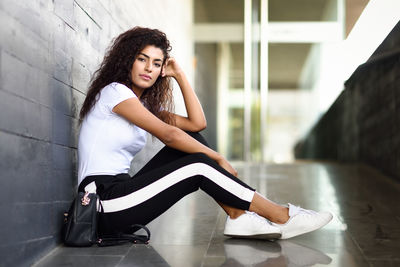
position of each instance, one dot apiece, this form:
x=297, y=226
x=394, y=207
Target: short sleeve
x=115, y=93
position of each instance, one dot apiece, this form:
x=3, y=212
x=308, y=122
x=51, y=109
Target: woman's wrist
x=178, y=75
x=218, y=157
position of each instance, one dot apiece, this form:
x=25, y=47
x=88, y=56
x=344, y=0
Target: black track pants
x=166, y=178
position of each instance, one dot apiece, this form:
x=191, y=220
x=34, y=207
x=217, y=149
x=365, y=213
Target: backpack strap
x=111, y=240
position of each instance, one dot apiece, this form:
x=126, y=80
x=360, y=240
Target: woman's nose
x=148, y=67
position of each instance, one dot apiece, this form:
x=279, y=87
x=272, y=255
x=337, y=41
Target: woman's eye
x=157, y=65
x=140, y=59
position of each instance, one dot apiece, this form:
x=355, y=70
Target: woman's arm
x=195, y=120
x=132, y=110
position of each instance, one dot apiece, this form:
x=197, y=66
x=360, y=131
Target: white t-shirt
x=107, y=141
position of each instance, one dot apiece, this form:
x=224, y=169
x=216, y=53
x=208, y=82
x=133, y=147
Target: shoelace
x=294, y=210
x=255, y=216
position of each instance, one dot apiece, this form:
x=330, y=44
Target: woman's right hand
x=171, y=68
x=227, y=166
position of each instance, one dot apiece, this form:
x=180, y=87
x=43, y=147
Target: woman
x=130, y=96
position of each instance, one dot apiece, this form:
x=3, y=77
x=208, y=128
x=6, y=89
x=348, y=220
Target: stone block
x=64, y=9
x=62, y=129
x=86, y=25
x=65, y=185
x=21, y=42
x=62, y=97
x=26, y=117
x=77, y=101
x=65, y=130
x=81, y=75
x=63, y=158
x=26, y=253
x=34, y=15
x=26, y=166
x=32, y=85
x=62, y=67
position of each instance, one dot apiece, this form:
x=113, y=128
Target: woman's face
x=147, y=67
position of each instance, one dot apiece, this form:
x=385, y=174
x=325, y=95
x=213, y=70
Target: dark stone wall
x=48, y=52
x=41, y=85
x=363, y=123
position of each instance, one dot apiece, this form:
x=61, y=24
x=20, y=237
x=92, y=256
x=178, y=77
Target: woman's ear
x=165, y=63
x=162, y=71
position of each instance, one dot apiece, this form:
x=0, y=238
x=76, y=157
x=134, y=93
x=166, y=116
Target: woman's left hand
x=227, y=166
x=171, y=68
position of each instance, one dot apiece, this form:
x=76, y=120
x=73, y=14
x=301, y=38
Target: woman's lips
x=145, y=77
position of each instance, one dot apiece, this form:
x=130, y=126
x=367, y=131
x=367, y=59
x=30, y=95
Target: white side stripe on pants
x=141, y=195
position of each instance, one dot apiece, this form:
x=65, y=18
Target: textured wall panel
x=363, y=123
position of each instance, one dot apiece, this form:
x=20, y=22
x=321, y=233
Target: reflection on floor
x=364, y=232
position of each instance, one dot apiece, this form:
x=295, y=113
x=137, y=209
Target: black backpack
x=80, y=225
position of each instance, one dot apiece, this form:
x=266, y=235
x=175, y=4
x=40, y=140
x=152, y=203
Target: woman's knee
x=202, y=158
x=198, y=137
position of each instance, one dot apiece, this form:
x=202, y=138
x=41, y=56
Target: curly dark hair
x=117, y=65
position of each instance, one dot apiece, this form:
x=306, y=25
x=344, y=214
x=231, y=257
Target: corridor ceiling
x=286, y=60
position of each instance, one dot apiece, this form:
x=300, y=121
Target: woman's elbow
x=170, y=135
x=200, y=126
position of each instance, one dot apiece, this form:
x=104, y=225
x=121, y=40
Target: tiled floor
x=365, y=230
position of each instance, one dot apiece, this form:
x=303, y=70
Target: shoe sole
x=257, y=236
x=307, y=231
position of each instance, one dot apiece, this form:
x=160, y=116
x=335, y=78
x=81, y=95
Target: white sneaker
x=251, y=225
x=302, y=221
